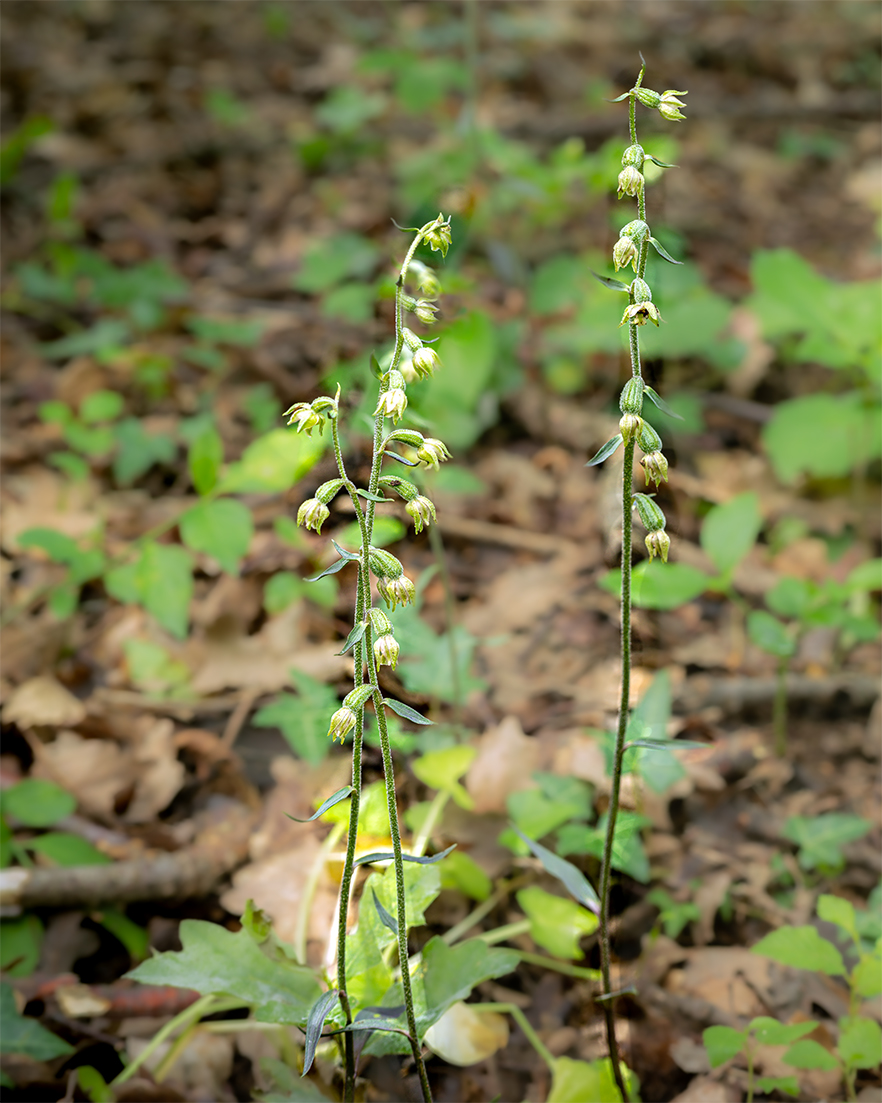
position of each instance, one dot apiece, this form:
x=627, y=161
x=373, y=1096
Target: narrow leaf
x=406, y=712
x=333, y=569
x=572, y=878
x=371, y=497
x=343, y=553
x=611, y=282
x=375, y=367
x=653, y=396
x=341, y=794
x=619, y=99
x=388, y=920
x=661, y=164
x=401, y=459
x=662, y=251
x=388, y=856
x=371, y=1024
x=314, y=1023
x=665, y=744
x=354, y=637
x=606, y=451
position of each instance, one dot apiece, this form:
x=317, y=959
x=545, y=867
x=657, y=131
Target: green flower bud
x=631, y=398
x=658, y=543
x=313, y=514
x=411, y=340
x=637, y=231
x=379, y=622
x=392, y=403
x=625, y=252
x=407, y=436
x=633, y=156
x=426, y=279
x=342, y=723
x=649, y=440
x=384, y=564
x=305, y=417
x=386, y=651
x=356, y=698
x=668, y=105
x=650, y=512
x=422, y=510
x=402, y=487
x=647, y=97
x=641, y=291
x=326, y=491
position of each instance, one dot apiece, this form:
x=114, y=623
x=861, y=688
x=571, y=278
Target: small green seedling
x=860, y=1038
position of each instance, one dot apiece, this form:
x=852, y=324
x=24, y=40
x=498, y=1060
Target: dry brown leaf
x=504, y=763
x=708, y=897
x=705, y=1089
x=38, y=497
x=157, y=774
x=730, y=977
x=43, y=702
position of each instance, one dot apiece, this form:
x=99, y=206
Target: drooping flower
x=422, y=510
x=313, y=514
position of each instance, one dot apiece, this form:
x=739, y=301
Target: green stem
x=749, y=1074
x=521, y=1019
x=436, y=808
x=502, y=934
x=559, y=966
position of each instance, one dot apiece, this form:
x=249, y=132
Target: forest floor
x=222, y=200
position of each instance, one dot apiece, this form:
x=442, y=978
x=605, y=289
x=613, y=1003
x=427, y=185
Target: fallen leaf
x=505, y=761
x=43, y=702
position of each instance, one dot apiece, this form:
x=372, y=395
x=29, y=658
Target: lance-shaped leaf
x=354, y=637
x=371, y=1024
x=611, y=282
x=388, y=856
x=656, y=398
x=341, y=794
x=662, y=251
x=371, y=497
x=619, y=99
x=386, y=918
x=606, y=451
x=314, y=1023
x=401, y=459
x=569, y=876
x=333, y=569
x=375, y=367
x=406, y=712
x=343, y=553
x=661, y=164
x=665, y=744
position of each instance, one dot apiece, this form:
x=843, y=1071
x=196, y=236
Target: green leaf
x=866, y=577
x=134, y=938
x=302, y=719
x=769, y=1032
x=428, y=660
x=330, y=262
x=333, y=569
x=657, y=245
x=628, y=854
x=387, y=530
x=722, y=1043
x=216, y=961
x=64, y=849
x=442, y=770
x=610, y=282
x=555, y=923
x=354, y=302
x=389, y=855
x=406, y=712
x=824, y=435
x=821, y=838
x=809, y=1054
x=657, y=585
x=573, y=880
x=388, y=921
x=227, y=331
x=578, y=1081
x=768, y=1084
x=164, y=579
x=451, y=972
x=769, y=634
x=606, y=451
x=204, y=459
x=803, y=948
x=151, y=667
x=25, y=1036
x=656, y=399
x=335, y=798
x=314, y=1024
x=730, y=531
x=463, y=873
x=860, y=1043
x=20, y=942
x=833, y=909
x=93, y=1084
x=59, y=547
x=37, y=803
x=273, y=463
x=674, y=915
x=138, y=451
x=790, y=597
x=537, y=814
x=101, y=406
x=281, y=590
x=221, y=528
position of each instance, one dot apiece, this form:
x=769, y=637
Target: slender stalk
x=779, y=710
x=522, y=1021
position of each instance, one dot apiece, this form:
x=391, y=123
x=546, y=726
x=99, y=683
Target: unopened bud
x=631, y=398
x=658, y=543
x=641, y=291
x=426, y=279
x=634, y=156
x=384, y=564
x=649, y=440
x=411, y=340
x=650, y=512
x=625, y=252
x=380, y=623
x=647, y=97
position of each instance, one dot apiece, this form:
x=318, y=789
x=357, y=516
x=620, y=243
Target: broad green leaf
x=769, y=634
x=769, y=1032
x=463, y=873
x=860, y=1043
x=302, y=719
x=164, y=578
x=578, y=1081
x=536, y=814
x=330, y=262
x=57, y=545
x=824, y=435
x=809, y=1054
x=730, y=531
x=354, y=302
x=135, y=939
x=866, y=979
x=20, y=941
x=216, y=961
x=138, y=450
x=867, y=576
x=556, y=924
x=459, y=403
x=25, y=1036
x=428, y=660
x=35, y=802
x=657, y=585
x=722, y=1043
x=769, y=1084
x=790, y=597
x=152, y=669
x=226, y=331
x=204, y=459
x=94, y=1085
x=803, y=948
x=443, y=769
x=64, y=849
x=833, y=909
x=628, y=854
x=273, y=463
x=821, y=838
x=221, y=528
x=101, y=406
x=449, y=973
x=281, y=590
